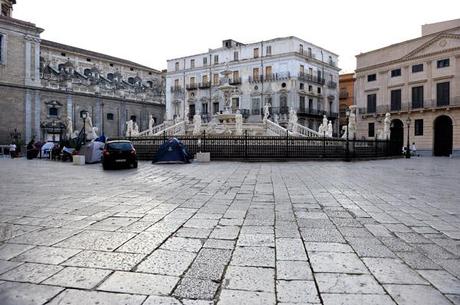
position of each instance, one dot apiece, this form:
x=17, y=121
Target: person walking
x=413, y=149
x=13, y=150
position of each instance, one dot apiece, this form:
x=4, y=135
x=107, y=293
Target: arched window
x=87, y=72
x=110, y=76
x=131, y=80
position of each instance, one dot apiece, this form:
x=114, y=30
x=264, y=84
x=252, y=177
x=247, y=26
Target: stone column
x=70, y=109
x=37, y=116
x=27, y=60
x=28, y=115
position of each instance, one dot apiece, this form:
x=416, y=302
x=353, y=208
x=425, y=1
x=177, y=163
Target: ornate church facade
x=44, y=85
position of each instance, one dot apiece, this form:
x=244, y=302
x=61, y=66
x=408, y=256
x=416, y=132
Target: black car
x=118, y=153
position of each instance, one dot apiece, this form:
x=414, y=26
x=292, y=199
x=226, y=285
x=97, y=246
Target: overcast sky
x=149, y=32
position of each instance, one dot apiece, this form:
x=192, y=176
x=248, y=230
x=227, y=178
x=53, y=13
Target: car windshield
x=119, y=146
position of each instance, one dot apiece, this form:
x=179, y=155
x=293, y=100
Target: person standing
x=13, y=150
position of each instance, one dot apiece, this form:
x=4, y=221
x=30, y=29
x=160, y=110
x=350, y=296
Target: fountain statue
x=292, y=120
x=238, y=123
x=197, y=124
x=135, y=129
x=129, y=128
x=352, y=125
x=69, y=127
x=90, y=130
x=329, y=129
x=226, y=89
x=266, y=112
x=276, y=118
x=387, y=126
x=151, y=124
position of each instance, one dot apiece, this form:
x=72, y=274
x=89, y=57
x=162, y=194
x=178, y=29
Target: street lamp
x=347, y=113
x=408, y=143
x=84, y=116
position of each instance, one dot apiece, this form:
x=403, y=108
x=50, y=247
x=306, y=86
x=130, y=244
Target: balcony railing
x=269, y=77
x=411, y=106
x=306, y=53
x=332, y=84
x=177, y=89
x=204, y=85
x=235, y=81
x=343, y=94
x=192, y=86
x=311, y=78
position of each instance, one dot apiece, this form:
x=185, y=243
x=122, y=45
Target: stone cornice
x=153, y=102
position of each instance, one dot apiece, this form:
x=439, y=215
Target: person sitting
x=32, y=151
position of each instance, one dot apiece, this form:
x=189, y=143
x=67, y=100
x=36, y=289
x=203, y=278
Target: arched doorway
x=396, y=136
x=442, y=144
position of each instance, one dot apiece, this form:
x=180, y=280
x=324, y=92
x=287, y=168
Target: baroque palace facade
x=43, y=84
x=285, y=73
x=418, y=82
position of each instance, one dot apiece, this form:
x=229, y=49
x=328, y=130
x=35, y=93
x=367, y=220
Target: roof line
x=69, y=48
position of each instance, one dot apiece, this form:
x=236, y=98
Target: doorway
x=396, y=136
x=442, y=144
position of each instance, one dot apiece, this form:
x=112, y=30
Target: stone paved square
x=379, y=232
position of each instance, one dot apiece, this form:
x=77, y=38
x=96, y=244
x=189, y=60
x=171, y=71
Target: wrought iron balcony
x=412, y=106
x=269, y=77
x=235, y=81
x=204, y=85
x=306, y=53
x=332, y=84
x=177, y=89
x=192, y=86
x=311, y=78
x=343, y=94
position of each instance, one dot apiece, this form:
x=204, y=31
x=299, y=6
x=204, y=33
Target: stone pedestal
x=78, y=160
x=203, y=157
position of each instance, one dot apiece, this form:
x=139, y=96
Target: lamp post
x=408, y=143
x=84, y=116
x=347, y=113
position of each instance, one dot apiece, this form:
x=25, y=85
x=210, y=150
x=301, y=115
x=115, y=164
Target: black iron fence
x=247, y=148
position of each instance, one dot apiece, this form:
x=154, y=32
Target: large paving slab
x=332, y=233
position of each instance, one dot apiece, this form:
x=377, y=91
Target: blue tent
x=172, y=151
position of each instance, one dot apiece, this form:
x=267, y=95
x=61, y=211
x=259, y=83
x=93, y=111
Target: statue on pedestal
x=238, y=123
x=387, y=126
x=129, y=128
x=135, y=131
x=266, y=111
x=69, y=127
x=329, y=129
x=293, y=120
x=196, y=124
x=90, y=131
x=151, y=124
x=352, y=125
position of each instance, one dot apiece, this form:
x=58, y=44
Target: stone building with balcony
x=43, y=83
x=346, y=96
x=284, y=72
x=418, y=82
